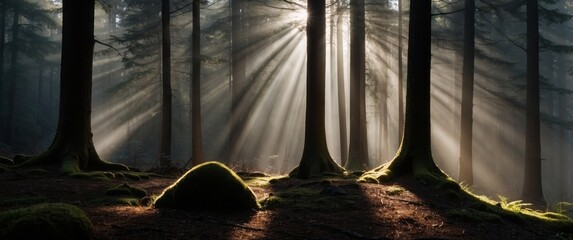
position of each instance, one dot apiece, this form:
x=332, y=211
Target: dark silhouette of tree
x=400, y=73
x=340, y=82
x=197, y=148
x=415, y=154
x=466, y=162
x=3, y=129
x=358, y=149
x=15, y=46
x=238, y=72
x=73, y=146
x=532, y=190
x=315, y=158
x=167, y=98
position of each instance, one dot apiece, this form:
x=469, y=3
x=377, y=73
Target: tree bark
x=197, y=141
x=2, y=45
x=13, y=75
x=415, y=155
x=358, y=149
x=400, y=75
x=341, y=88
x=532, y=190
x=73, y=146
x=166, y=112
x=315, y=158
x=466, y=162
x=238, y=72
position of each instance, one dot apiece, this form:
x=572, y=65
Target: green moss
x=22, y=201
x=209, y=187
x=126, y=190
x=46, y=221
x=261, y=181
x=395, y=190
x=305, y=199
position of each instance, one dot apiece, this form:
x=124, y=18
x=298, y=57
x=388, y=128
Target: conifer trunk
x=315, y=158
x=532, y=190
x=415, y=153
x=73, y=146
x=197, y=148
x=358, y=149
x=166, y=113
x=466, y=162
x=341, y=87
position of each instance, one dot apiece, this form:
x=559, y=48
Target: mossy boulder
x=208, y=187
x=46, y=221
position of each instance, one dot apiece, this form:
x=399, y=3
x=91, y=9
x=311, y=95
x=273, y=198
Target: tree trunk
x=400, y=75
x=358, y=149
x=415, y=154
x=532, y=190
x=166, y=113
x=238, y=72
x=2, y=45
x=73, y=146
x=563, y=147
x=315, y=157
x=13, y=75
x=341, y=88
x=197, y=147
x=466, y=162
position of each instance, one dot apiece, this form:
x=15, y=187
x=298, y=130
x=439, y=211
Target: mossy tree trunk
x=415, y=155
x=358, y=149
x=73, y=146
x=466, y=132
x=315, y=158
x=166, y=112
x=532, y=190
x=197, y=141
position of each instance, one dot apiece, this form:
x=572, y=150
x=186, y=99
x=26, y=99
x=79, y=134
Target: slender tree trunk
x=197, y=154
x=400, y=74
x=341, y=88
x=358, y=149
x=13, y=74
x=73, y=146
x=166, y=113
x=2, y=45
x=415, y=153
x=238, y=73
x=40, y=102
x=315, y=157
x=532, y=190
x=466, y=162
x=563, y=148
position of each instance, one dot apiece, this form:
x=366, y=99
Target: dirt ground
x=295, y=209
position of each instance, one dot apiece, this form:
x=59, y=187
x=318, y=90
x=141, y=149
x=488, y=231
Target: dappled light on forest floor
x=318, y=208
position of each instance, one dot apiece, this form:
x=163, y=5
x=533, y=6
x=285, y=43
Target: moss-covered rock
x=46, y=221
x=208, y=187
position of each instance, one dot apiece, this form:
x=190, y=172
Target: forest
x=286, y=119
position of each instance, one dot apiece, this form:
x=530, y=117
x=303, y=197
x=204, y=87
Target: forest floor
x=332, y=208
